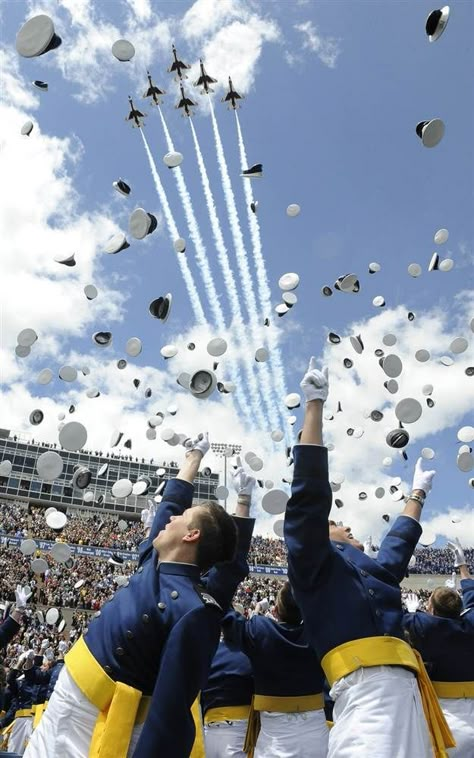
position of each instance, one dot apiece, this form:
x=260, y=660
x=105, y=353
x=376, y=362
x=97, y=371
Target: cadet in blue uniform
x=445, y=638
x=23, y=693
x=12, y=623
x=225, y=703
x=155, y=638
x=287, y=718
x=351, y=605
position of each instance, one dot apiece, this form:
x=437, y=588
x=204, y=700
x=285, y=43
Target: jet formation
x=178, y=67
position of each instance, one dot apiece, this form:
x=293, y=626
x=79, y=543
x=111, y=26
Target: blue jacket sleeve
x=8, y=630
x=467, y=587
x=9, y=716
x=414, y=624
x=398, y=546
x=35, y=675
x=185, y=661
x=306, y=518
x=240, y=633
x=223, y=579
x=177, y=497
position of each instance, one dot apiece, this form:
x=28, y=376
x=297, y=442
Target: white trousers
x=65, y=730
x=292, y=735
x=378, y=712
x=459, y=714
x=20, y=734
x=224, y=739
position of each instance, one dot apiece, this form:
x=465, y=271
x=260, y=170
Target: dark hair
x=218, y=539
x=288, y=611
x=446, y=603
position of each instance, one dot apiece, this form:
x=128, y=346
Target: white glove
x=44, y=644
x=459, y=557
x=412, y=602
x=243, y=483
x=63, y=647
x=148, y=514
x=422, y=479
x=201, y=443
x=451, y=583
x=49, y=654
x=21, y=597
x=315, y=383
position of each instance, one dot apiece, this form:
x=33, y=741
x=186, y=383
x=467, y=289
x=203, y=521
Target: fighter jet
x=185, y=103
x=135, y=115
x=177, y=66
x=204, y=80
x=231, y=97
x=153, y=91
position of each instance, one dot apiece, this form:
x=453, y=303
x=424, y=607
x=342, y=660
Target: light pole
x=225, y=451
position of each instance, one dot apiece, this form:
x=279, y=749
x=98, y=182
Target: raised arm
x=399, y=544
x=467, y=582
x=307, y=512
x=240, y=633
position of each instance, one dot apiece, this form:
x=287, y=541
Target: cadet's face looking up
x=178, y=530
x=343, y=534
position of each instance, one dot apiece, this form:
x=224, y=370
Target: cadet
x=287, y=716
x=351, y=605
x=11, y=625
x=445, y=638
x=155, y=638
x=23, y=693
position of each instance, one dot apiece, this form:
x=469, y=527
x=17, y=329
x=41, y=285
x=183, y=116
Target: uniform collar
x=183, y=569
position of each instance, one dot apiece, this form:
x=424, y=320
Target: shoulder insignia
x=207, y=599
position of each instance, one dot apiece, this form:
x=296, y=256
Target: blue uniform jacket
x=36, y=676
x=23, y=691
x=446, y=645
x=159, y=633
x=10, y=708
x=8, y=630
x=283, y=663
x=55, y=671
x=230, y=680
x=342, y=593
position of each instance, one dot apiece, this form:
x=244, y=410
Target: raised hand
x=315, y=383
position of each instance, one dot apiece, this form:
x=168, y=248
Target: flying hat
x=391, y=385
x=459, y=345
x=334, y=338
x=441, y=236
x=102, y=339
x=141, y=223
x=66, y=259
x=392, y=365
x=278, y=528
x=347, y=283
x=288, y=282
x=116, y=243
x=202, y=383
x=88, y=496
x=44, y=376
x=261, y=355
x=374, y=267
x=172, y=409
x=92, y=393
x=277, y=435
x=422, y=355
x=39, y=565
x=434, y=262
x=378, y=301
x=446, y=360
x=49, y=466
x=68, y=373
x=292, y=400
x=281, y=309
x=40, y=85
x=389, y=340
x=398, y=438
x=168, y=351
x=27, y=128
x=436, y=23
x=90, y=291
x=290, y=299
x=293, y=210
x=61, y=552
x=414, y=269
x=5, y=468
x=326, y=291
x=122, y=187
x=56, y=520
x=465, y=461
x=123, y=50
x=169, y=436
x=254, y=206
x=73, y=436
x=429, y=402
x=427, y=538
x=173, y=159
x=411, y=316
x=446, y=264
x=221, y=492
x=36, y=37
x=53, y=616
x=179, y=245
x=148, y=392
x=338, y=503
x=253, y=172
x=469, y=371
x=275, y=501
x=255, y=463
x=150, y=434
x=27, y=337
x=217, y=347
x=430, y=132
x=156, y=420
x=122, y=488
x=133, y=347
x=379, y=492
x=36, y=417
x=28, y=547
x=81, y=477
x=128, y=444
x=348, y=363
x=386, y=517
x=141, y=486
x=466, y=434
x=225, y=387
x=357, y=344
x=161, y=307
x=376, y=415
x=115, y=438
x=22, y=352
x=427, y=453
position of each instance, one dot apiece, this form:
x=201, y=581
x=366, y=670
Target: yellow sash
x=39, y=708
x=454, y=689
x=227, y=713
x=391, y=651
x=275, y=704
x=25, y=712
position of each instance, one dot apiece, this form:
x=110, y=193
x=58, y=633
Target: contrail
x=174, y=234
x=262, y=278
x=243, y=265
x=223, y=258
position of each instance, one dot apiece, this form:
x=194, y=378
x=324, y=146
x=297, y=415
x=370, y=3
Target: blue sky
x=333, y=94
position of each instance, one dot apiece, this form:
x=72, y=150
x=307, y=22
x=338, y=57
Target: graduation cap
x=292, y=400
x=81, y=477
x=45, y=376
x=27, y=128
x=133, y=346
x=141, y=223
x=122, y=488
x=36, y=417
x=56, y=520
x=436, y=23
x=408, y=410
x=398, y=438
x=65, y=259
x=168, y=351
x=253, y=172
x=90, y=291
x=293, y=210
x=123, y=50
x=122, y=187
x=73, y=436
x=36, y=37
x=217, y=347
x=40, y=85
x=161, y=308
x=202, y=383
x=173, y=159
x=374, y=267
x=274, y=501
x=116, y=243
x=49, y=466
x=430, y=132
x=326, y=291
x=102, y=339
x=434, y=262
x=254, y=206
x=179, y=245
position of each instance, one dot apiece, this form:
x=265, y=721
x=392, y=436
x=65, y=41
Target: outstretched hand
x=243, y=482
x=422, y=480
x=315, y=383
x=200, y=443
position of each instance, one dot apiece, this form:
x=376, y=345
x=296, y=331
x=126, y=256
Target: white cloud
x=204, y=17
x=327, y=49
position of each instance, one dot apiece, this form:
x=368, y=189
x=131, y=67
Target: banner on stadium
x=88, y=551
x=269, y=570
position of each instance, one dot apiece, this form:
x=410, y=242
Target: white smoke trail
x=262, y=278
x=174, y=234
x=225, y=264
x=242, y=262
